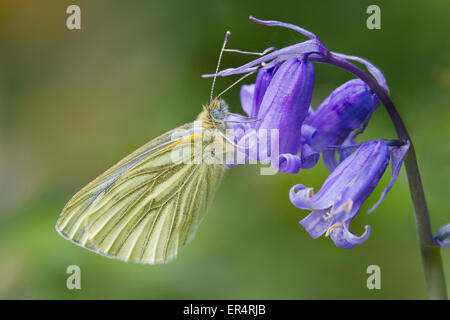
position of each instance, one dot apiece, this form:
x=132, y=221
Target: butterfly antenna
x=227, y=36
x=236, y=82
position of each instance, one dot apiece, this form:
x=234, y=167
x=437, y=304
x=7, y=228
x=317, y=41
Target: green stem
x=431, y=257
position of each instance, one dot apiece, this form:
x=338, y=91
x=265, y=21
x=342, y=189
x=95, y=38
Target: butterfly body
x=149, y=205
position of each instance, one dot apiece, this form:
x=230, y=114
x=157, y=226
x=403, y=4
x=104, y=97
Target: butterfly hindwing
x=148, y=206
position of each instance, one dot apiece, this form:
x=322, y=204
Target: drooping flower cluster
x=280, y=100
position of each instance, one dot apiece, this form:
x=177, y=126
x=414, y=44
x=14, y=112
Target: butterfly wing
x=146, y=207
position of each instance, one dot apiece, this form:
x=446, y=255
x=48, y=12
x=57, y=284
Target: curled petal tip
x=346, y=239
x=289, y=163
x=300, y=196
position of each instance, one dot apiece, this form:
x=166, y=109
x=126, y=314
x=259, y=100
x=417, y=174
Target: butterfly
x=150, y=204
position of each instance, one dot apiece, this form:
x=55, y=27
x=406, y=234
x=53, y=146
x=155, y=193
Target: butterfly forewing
x=148, y=206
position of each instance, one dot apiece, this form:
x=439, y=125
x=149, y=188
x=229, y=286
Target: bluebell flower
x=346, y=189
x=282, y=104
x=339, y=119
x=280, y=100
x=442, y=237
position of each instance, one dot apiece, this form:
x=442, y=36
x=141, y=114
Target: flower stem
x=430, y=251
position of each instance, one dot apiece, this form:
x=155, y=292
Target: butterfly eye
x=217, y=114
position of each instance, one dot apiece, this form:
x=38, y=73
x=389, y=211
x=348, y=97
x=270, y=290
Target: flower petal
x=397, y=156
x=346, y=239
x=345, y=112
x=273, y=23
x=315, y=224
x=300, y=196
x=289, y=163
x=347, y=148
x=308, y=132
x=309, y=157
x=263, y=80
x=246, y=93
x=376, y=73
x=286, y=103
x=329, y=159
x=295, y=50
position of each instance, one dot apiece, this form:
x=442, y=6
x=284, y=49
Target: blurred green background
x=72, y=103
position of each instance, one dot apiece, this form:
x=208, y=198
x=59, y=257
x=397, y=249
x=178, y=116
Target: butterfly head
x=214, y=115
x=218, y=109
